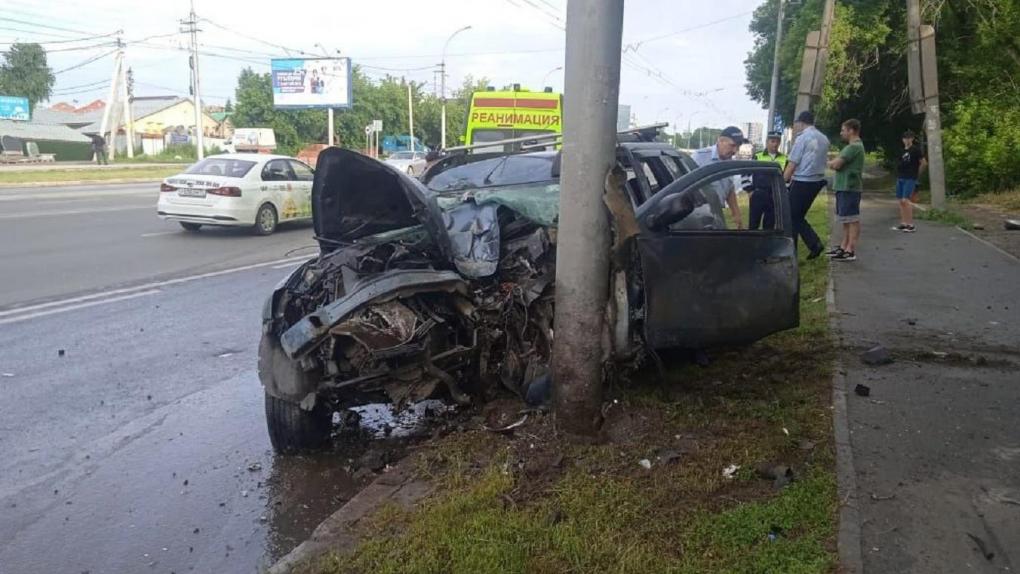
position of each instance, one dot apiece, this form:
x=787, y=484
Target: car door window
x=301, y=171
x=277, y=170
x=700, y=204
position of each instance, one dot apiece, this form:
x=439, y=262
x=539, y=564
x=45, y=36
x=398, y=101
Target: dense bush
x=980, y=147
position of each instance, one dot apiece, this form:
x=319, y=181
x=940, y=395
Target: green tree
x=294, y=129
x=24, y=73
x=228, y=106
x=866, y=77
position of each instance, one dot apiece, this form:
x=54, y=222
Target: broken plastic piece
x=730, y=471
x=862, y=390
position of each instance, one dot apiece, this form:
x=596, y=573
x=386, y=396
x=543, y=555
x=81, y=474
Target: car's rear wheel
x=265, y=220
x=293, y=429
x=192, y=227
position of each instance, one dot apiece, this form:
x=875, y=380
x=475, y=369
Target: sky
x=682, y=59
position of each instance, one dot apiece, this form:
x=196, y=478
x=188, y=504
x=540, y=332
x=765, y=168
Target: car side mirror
x=674, y=208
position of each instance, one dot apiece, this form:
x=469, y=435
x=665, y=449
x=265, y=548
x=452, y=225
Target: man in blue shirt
x=805, y=172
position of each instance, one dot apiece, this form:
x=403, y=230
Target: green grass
x=946, y=216
x=57, y=175
x=501, y=506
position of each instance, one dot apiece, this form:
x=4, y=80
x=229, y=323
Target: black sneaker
x=816, y=252
x=845, y=256
x=908, y=229
x=834, y=251
x=900, y=227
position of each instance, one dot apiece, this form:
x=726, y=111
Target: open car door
x=705, y=282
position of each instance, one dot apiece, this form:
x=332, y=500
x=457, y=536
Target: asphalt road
x=132, y=436
x=62, y=241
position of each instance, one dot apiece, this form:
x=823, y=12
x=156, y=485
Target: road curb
x=848, y=539
x=77, y=182
x=337, y=533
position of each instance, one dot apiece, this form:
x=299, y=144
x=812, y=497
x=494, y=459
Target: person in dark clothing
x=762, y=204
x=99, y=149
x=908, y=169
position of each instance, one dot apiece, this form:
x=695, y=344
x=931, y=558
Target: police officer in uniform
x=763, y=209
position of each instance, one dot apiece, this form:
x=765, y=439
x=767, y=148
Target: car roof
x=256, y=157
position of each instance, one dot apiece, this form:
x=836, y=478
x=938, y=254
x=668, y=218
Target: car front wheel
x=293, y=429
x=265, y=220
x=192, y=227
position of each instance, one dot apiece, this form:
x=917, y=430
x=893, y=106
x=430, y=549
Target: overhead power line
x=47, y=26
x=257, y=39
x=86, y=62
x=634, y=46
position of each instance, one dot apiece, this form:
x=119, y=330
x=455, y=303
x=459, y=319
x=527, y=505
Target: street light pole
x=774, y=89
x=690, y=134
x=546, y=76
x=442, y=82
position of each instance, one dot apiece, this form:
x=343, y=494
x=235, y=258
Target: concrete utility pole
x=442, y=89
x=922, y=73
x=192, y=28
x=330, y=130
x=816, y=55
x=592, y=91
x=108, y=108
x=774, y=89
x=129, y=123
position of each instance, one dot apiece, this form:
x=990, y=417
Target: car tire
x=410, y=171
x=293, y=429
x=192, y=227
x=265, y=220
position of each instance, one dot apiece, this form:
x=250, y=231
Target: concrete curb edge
x=399, y=485
x=849, y=533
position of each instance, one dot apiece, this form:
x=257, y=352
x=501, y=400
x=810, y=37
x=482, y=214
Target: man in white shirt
x=724, y=149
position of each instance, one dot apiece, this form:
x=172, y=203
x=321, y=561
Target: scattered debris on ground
x=877, y=356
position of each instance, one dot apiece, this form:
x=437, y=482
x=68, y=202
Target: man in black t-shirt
x=909, y=167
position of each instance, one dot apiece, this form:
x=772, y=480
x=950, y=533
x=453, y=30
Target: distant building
x=158, y=121
x=755, y=132
x=622, y=117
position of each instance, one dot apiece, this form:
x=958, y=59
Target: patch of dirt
x=990, y=220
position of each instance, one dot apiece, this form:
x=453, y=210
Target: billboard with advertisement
x=311, y=82
x=14, y=108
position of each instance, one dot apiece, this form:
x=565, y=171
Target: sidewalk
x=936, y=445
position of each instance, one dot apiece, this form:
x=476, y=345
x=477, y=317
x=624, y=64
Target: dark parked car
x=444, y=286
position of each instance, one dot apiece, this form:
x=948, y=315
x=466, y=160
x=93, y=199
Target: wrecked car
x=444, y=286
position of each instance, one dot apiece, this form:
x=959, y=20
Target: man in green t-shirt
x=849, y=185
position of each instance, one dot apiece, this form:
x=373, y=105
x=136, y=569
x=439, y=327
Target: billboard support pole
x=330, y=120
x=410, y=118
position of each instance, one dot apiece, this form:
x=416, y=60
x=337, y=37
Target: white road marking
x=32, y=214
x=81, y=195
x=78, y=306
x=286, y=265
x=158, y=233
x=148, y=286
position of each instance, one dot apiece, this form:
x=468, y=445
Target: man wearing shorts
x=910, y=165
x=848, y=184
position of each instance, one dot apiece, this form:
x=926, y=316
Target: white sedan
x=238, y=190
x=410, y=162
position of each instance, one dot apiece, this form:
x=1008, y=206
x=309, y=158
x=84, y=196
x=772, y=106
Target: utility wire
x=256, y=39
x=86, y=62
x=68, y=41
x=47, y=26
x=634, y=46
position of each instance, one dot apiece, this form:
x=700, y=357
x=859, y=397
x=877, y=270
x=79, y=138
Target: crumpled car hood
x=355, y=196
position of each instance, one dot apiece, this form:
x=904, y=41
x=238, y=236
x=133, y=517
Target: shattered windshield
x=498, y=172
